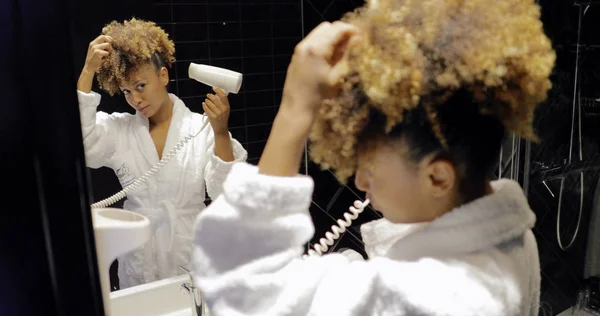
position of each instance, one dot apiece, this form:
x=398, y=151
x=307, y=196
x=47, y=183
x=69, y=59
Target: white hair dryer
x=225, y=79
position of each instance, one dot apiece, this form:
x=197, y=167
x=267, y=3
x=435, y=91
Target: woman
x=414, y=98
x=132, y=58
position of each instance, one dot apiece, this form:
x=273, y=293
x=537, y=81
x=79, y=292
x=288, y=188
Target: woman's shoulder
x=123, y=118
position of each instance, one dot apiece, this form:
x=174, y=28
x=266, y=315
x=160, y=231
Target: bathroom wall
x=562, y=271
x=332, y=199
x=255, y=37
x=557, y=123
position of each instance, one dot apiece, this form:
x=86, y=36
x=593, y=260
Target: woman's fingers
x=103, y=46
x=218, y=104
x=102, y=53
x=329, y=40
x=346, y=37
x=101, y=40
x=212, y=97
x=102, y=50
x=208, y=110
x=220, y=92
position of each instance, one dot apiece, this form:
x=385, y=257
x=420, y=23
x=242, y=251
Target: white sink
x=164, y=297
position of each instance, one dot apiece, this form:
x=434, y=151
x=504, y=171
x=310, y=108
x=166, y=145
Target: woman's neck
x=164, y=113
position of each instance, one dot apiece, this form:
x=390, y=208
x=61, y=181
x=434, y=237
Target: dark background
x=257, y=37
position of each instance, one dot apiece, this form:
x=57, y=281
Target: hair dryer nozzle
x=229, y=81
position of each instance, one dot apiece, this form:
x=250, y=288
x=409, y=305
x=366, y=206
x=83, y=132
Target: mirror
x=156, y=108
x=559, y=174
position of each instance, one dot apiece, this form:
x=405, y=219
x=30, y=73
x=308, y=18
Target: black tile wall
x=562, y=269
x=254, y=37
x=330, y=198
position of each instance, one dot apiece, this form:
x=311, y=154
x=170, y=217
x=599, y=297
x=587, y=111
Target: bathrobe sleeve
x=247, y=259
x=100, y=130
x=216, y=169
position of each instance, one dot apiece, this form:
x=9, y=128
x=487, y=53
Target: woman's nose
x=361, y=181
x=136, y=99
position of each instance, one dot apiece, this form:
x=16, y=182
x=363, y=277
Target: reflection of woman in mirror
x=132, y=58
x=413, y=98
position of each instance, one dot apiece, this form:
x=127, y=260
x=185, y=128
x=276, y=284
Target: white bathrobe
x=478, y=259
x=171, y=198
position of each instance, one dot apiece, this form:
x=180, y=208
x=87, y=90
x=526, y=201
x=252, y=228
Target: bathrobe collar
x=486, y=222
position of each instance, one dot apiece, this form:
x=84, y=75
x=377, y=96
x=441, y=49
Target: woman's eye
x=141, y=86
x=125, y=92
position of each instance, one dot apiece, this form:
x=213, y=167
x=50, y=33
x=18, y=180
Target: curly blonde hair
x=419, y=53
x=135, y=43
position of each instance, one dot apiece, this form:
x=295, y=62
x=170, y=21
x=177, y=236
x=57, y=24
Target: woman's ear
x=441, y=177
x=164, y=76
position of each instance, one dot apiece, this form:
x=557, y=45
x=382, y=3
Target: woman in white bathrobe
x=132, y=58
x=418, y=98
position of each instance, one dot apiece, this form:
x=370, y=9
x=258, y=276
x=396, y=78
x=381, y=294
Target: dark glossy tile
x=278, y=96
x=194, y=103
x=161, y=13
x=236, y=101
x=172, y=86
x=229, y=2
x=285, y=46
x=287, y=29
x=255, y=150
x=253, y=161
x=189, y=13
x=256, y=12
x=259, y=99
x=237, y=118
x=260, y=116
x=191, y=32
x=279, y=80
x=312, y=17
x=258, y=65
x=321, y=220
x=258, y=133
x=224, y=31
x=239, y=133
x=258, y=82
x=225, y=49
x=224, y=12
x=281, y=62
x=263, y=47
x=190, y=51
x=286, y=11
x=257, y=30
x=326, y=187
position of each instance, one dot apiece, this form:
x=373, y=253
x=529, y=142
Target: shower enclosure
x=560, y=174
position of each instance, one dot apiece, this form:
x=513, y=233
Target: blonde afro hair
x=417, y=53
x=135, y=43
